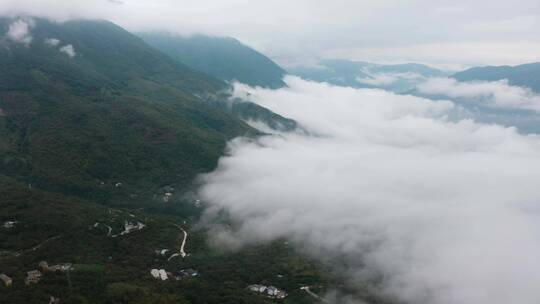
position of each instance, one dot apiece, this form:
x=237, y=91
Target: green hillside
x=107, y=269
x=99, y=136
x=228, y=59
x=222, y=57
x=99, y=131
x=117, y=112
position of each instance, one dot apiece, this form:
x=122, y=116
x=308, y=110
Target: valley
x=98, y=151
x=269, y=152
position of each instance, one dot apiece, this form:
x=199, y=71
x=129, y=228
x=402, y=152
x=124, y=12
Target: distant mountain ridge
x=357, y=74
x=526, y=75
x=222, y=57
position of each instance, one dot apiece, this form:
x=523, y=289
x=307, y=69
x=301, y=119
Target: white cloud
x=439, y=212
x=20, y=31
x=52, y=42
x=383, y=79
x=68, y=50
x=492, y=93
x=386, y=79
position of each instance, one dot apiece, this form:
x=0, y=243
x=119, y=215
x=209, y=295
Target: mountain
x=259, y=117
x=98, y=131
x=111, y=268
x=114, y=111
x=229, y=60
x=357, y=74
x=525, y=75
x=222, y=57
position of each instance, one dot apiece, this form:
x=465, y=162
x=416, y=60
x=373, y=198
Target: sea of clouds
x=497, y=94
x=435, y=209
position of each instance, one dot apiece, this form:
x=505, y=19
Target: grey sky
x=440, y=32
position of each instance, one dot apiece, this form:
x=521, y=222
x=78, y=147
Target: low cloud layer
x=19, y=31
x=387, y=79
x=68, y=50
x=435, y=211
x=52, y=42
x=495, y=93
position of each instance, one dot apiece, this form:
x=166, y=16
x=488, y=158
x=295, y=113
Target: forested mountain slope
x=114, y=110
x=222, y=57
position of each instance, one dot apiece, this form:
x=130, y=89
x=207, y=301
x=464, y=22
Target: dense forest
x=111, y=136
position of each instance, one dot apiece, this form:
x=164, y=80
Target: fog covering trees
x=429, y=207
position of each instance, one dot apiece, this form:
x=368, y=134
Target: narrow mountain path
x=110, y=230
x=181, y=253
x=37, y=246
x=108, y=227
x=314, y=295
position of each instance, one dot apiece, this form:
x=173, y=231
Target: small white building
x=6, y=280
x=10, y=224
x=130, y=227
x=275, y=292
x=167, y=197
x=32, y=276
x=43, y=266
x=270, y=291
x=163, y=275
x=160, y=274
x=161, y=252
x=62, y=267
x=257, y=288
x=54, y=300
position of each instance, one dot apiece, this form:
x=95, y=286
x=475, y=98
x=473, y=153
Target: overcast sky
x=440, y=32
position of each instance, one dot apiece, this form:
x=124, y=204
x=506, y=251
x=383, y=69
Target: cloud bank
x=491, y=93
x=68, y=50
x=430, y=210
x=19, y=31
x=52, y=42
x=387, y=79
